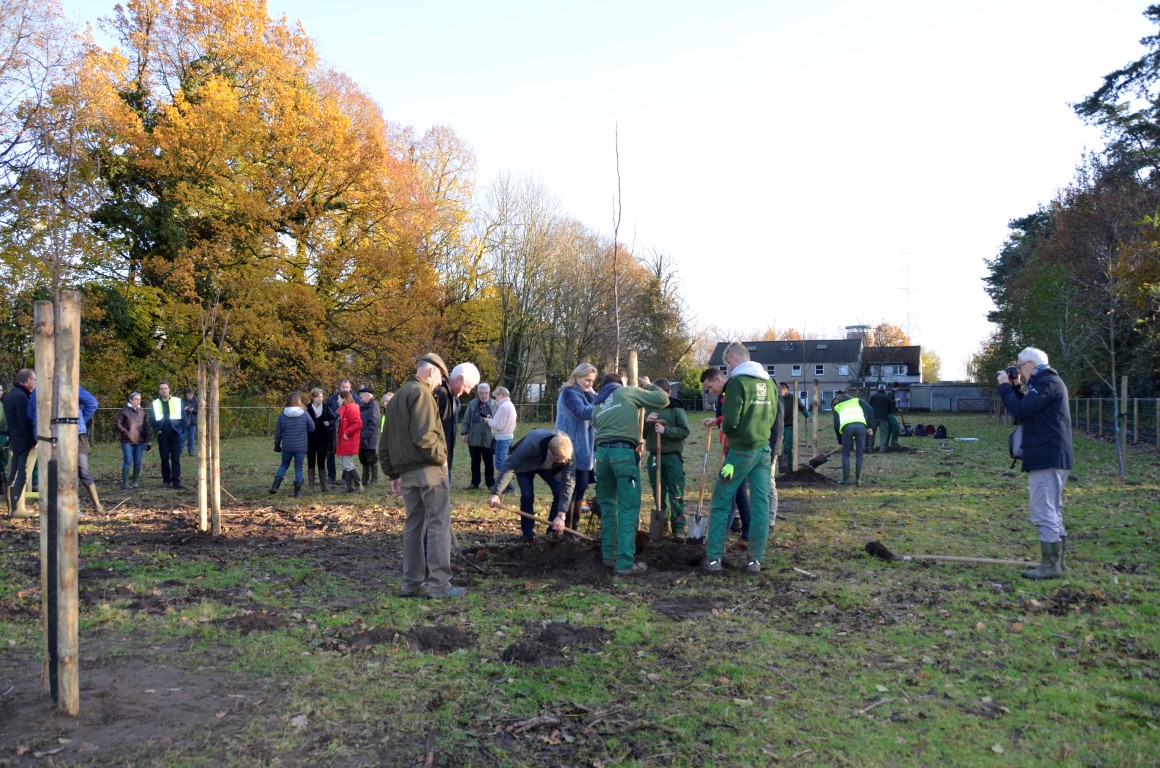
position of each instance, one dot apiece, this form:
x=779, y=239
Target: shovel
x=818, y=461
x=521, y=513
x=879, y=550
x=699, y=523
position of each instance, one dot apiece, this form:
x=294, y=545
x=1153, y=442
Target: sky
x=805, y=165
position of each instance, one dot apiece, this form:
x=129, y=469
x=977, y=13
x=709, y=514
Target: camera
x=1012, y=372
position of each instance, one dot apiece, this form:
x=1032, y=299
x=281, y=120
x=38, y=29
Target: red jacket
x=349, y=428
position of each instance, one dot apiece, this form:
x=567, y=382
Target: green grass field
x=288, y=645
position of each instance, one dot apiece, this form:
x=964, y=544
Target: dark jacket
x=21, y=430
x=323, y=426
x=530, y=454
x=448, y=406
x=1043, y=413
x=189, y=412
x=882, y=405
x=132, y=424
x=165, y=416
x=292, y=429
x=676, y=429
x=414, y=436
x=371, y=419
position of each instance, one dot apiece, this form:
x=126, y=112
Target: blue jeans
x=298, y=457
x=190, y=436
x=501, y=451
x=528, y=498
x=132, y=455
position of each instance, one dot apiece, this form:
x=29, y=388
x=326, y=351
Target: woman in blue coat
x=291, y=436
x=574, y=419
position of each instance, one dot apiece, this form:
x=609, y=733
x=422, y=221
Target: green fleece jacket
x=676, y=429
x=750, y=407
x=414, y=435
x=616, y=412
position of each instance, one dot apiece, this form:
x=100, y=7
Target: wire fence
x=1097, y=416
x=259, y=421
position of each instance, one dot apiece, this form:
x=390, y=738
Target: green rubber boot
x=125, y=478
x=1051, y=555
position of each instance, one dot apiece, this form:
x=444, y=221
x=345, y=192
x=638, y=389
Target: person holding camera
x=1043, y=413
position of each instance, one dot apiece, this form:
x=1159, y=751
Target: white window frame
x=819, y=369
x=796, y=371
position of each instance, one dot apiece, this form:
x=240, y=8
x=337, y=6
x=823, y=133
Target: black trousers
x=486, y=455
x=169, y=444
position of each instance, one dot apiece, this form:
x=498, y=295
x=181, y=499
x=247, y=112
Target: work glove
x=277, y=449
x=148, y=446
x=727, y=472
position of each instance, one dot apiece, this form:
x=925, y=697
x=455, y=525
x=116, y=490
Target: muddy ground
x=138, y=698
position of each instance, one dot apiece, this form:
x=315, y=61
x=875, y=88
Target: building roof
x=910, y=356
x=792, y=352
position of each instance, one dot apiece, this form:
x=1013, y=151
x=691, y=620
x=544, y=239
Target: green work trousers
x=618, y=492
x=895, y=428
x=754, y=466
x=672, y=491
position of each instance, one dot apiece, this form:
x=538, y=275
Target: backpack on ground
x=919, y=430
x=929, y=430
x=1015, y=445
x=941, y=432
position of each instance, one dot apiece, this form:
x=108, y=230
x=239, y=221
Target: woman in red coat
x=350, y=425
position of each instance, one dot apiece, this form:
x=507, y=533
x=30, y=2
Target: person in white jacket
x=503, y=426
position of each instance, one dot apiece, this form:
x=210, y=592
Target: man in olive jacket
x=747, y=416
x=668, y=428
x=616, y=416
x=413, y=453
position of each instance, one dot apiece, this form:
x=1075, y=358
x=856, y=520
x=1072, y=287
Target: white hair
x=469, y=373
x=483, y=385
x=1031, y=354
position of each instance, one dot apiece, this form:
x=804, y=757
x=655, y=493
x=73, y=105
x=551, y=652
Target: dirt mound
x=532, y=653
x=441, y=640
x=581, y=561
x=807, y=476
x=262, y=620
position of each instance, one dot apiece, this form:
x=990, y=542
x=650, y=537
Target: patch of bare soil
x=260, y=620
x=800, y=477
x=686, y=608
x=440, y=640
x=127, y=704
x=580, y=561
x=532, y=653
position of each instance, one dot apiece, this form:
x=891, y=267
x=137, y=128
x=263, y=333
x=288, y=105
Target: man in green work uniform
x=851, y=416
x=672, y=426
x=617, y=416
x=747, y=415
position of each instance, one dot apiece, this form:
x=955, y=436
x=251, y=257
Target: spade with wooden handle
x=522, y=513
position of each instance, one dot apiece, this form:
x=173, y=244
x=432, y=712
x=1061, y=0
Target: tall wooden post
x=632, y=368
x=215, y=470
x=67, y=396
x=1135, y=420
x=794, y=456
x=43, y=326
x=202, y=498
x=610, y=364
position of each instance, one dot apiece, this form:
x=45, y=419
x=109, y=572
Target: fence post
x=1087, y=406
x=1135, y=421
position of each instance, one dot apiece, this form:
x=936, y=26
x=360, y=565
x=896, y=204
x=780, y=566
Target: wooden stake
x=632, y=368
x=202, y=496
x=814, y=408
x=67, y=398
x=44, y=324
x=795, y=456
x=215, y=471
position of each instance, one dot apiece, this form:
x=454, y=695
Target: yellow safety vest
x=849, y=412
x=161, y=410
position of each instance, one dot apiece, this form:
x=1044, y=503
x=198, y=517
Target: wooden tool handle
x=521, y=513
